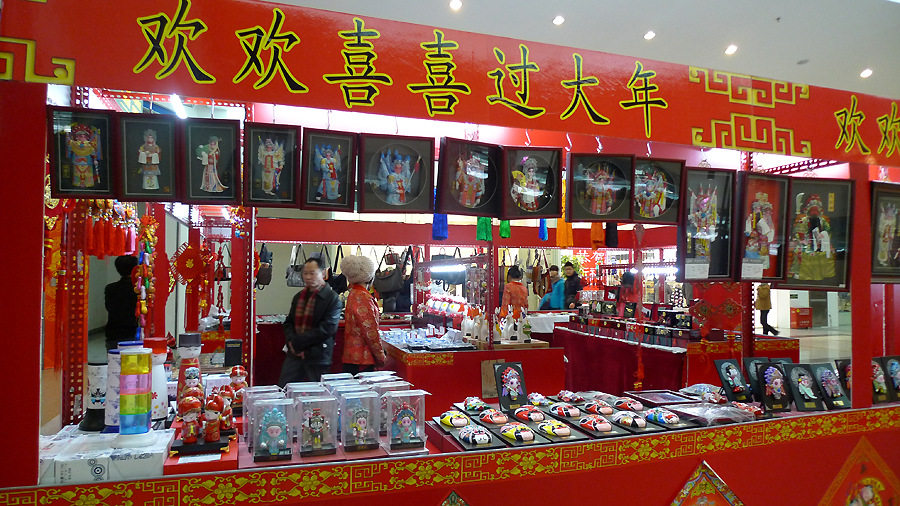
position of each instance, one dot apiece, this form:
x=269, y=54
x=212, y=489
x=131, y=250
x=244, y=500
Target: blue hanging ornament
x=439, y=228
x=485, y=229
x=542, y=231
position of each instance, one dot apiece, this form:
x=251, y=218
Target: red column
x=241, y=284
x=878, y=312
x=23, y=135
x=860, y=288
x=891, y=319
x=192, y=293
x=160, y=274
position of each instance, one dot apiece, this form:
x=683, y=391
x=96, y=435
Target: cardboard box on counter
x=91, y=458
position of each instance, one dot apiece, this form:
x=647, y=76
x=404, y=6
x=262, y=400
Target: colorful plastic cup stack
x=135, y=392
x=160, y=400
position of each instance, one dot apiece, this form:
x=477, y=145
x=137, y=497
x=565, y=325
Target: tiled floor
x=821, y=344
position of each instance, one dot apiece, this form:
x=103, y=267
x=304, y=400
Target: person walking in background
x=573, y=286
x=764, y=304
x=515, y=295
x=362, y=344
x=310, y=327
x=556, y=298
x=121, y=301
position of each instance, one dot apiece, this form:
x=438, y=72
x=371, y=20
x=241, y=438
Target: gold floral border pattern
x=418, y=359
x=337, y=480
x=713, y=347
x=776, y=344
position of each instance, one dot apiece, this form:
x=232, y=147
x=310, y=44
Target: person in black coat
x=572, y=286
x=121, y=302
x=308, y=353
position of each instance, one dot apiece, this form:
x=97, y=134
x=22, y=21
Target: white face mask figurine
x=189, y=352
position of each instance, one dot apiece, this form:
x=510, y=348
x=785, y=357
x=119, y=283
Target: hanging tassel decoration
x=505, y=230
x=97, y=249
x=89, y=234
x=543, y=234
x=118, y=240
x=564, y=234
x=598, y=235
x=485, y=229
x=129, y=240
x=439, y=229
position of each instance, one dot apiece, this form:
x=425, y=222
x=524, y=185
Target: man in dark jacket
x=573, y=286
x=121, y=301
x=310, y=327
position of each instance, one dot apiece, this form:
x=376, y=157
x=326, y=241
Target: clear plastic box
x=372, y=374
x=372, y=380
x=317, y=422
x=381, y=389
x=300, y=384
x=336, y=376
x=406, y=410
x=360, y=417
x=331, y=385
x=272, y=439
x=250, y=412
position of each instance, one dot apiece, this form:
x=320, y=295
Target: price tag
x=751, y=270
x=196, y=459
x=696, y=271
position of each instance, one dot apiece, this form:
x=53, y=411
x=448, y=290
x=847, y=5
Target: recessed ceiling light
x=865, y=73
x=730, y=49
x=649, y=35
x=558, y=20
x=455, y=4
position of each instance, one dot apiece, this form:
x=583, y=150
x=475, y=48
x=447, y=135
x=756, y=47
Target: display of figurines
x=271, y=162
x=227, y=425
x=148, y=158
x=395, y=177
x=190, y=419
x=359, y=419
x=317, y=433
x=238, y=384
x=403, y=425
x=328, y=162
x=702, y=218
x=774, y=382
x=212, y=422
x=189, y=355
x=512, y=384
x=760, y=229
x=209, y=155
x=83, y=149
x=470, y=178
x=272, y=430
x=811, y=255
x=887, y=230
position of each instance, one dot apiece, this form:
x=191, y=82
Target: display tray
x=655, y=398
x=494, y=444
x=200, y=447
x=614, y=431
x=649, y=429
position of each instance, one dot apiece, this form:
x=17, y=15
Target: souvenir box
x=761, y=227
x=272, y=433
x=707, y=414
x=250, y=399
x=656, y=190
x=406, y=410
x=336, y=376
x=599, y=187
x=468, y=181
x=830, y=385
x=531, y=183
x=382, y=388
x=328, y=173
x=316, y=429
x=305, y=389
x=396, y=174
x=271, y=165
x=360, y=420
x=804, y=389
x=707, y=227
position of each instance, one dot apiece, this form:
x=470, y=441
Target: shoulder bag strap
x=338, y=255
x=457, y=253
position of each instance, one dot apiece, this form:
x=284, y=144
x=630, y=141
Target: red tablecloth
x=609, y=365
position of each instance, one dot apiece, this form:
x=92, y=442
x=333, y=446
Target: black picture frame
x=507, y=402
x=779, y=398
x=531, y=183
x=211, y=183
x=818, y=257
x=271, y=163
x=891, y=364
x=808, y=396
x=461, y=166
x=752, y=378
x=149, y=169
x=829, y=383
x=705, y=236
x=599, y=187
x=843, y=367
x=885, y=237
x=411, y=190
x=338, y=192
x=656, y=191
x=888, y=394
x=81, y=145
x=737, y=389
x=761, y=227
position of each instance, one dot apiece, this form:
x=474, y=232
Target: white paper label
x=751, y=270
x=696, y=271
x=196, y=459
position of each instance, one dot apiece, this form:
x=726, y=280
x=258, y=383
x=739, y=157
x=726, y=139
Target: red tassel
x=129, y=241
x=99, y=250
x=89, y=235
x=107, y=237
x=118, y=241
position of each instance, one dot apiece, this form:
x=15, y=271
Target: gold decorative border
x=725, y=83
x=747, y=132
x=418, y=359
x=776, y=344
x=274, y=485
x=713, y=347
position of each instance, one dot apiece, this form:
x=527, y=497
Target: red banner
x=257, y=52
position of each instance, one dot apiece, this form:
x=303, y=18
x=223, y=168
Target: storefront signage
x=255, y=52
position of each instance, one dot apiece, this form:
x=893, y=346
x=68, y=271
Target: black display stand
x=770, y=403
x=838, y=401
x=201, y=446
x=842, y=365
x=750, y=367
x=891, y=365
x=795, y=374
x=888, y=394
x=729, y=368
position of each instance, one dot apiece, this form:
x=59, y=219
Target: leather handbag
x=391, y=257
x=294, y=274
x=338, y=282
x=540, y=275
x=453, y=277
x=389, y=281
x=264, y=274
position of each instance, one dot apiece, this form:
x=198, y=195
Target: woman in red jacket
x=362, y=344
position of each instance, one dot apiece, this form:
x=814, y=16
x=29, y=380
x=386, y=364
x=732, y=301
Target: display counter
x=452, y=376
x=825, y=457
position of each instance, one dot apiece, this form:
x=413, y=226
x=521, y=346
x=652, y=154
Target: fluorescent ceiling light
x=455, y=4
x=558, y=20
x=865, y=73
x=731, y=49
x=175, y=100
x=649, y=35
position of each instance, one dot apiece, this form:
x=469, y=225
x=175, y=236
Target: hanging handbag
x=528, y=271
x=338, y=282
x=294, y=274
x=451, y=277
x=323, y=255
x=391, y=257
x=389, y=281
x=264, y=274
x=541, y=275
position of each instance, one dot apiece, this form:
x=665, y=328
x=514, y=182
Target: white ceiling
x=840, y=38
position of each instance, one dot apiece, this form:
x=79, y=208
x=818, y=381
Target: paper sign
x=196, y=459
x=696, y=271
x=751, y=270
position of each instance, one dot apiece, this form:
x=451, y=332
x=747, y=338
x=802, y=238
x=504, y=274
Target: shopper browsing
x=573, y=286
x=310, y=327
x=556, y=298
x=362, y=344
x=121, y=300
x=515, y=295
